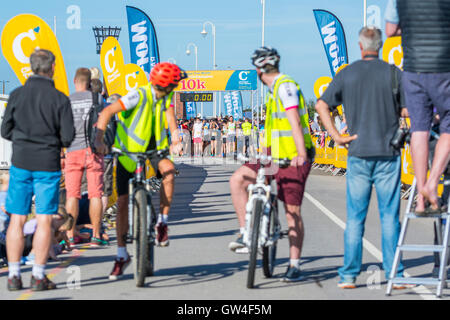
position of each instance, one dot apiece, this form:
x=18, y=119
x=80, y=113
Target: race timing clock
x=197, y=97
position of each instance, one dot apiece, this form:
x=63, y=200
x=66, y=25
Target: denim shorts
x=23, y=184
x=425, y=92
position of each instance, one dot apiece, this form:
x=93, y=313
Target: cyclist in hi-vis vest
x=287, y=137
x=141, y=126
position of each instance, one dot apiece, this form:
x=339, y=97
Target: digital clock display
x=197, y=97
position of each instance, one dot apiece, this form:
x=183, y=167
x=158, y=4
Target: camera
x=401, y=136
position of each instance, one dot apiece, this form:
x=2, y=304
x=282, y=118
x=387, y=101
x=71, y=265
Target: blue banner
x=143, y=42
x=333, y=39
x=191, y=110
x=233, y=104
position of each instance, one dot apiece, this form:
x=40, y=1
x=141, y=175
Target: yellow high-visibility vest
x=135, y=127
x=278, y=129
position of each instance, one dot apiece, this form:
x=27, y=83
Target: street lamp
x=204, y=33
x=188, y=52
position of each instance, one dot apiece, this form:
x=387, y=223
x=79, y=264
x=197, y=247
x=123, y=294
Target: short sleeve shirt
x=365, y=90
x=288, y=94
x=391, y=14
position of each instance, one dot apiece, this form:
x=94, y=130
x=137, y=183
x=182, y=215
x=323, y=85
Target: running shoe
x=15, y=284
x=293, y=274
x=42, y=284
x=237, y=244
x=347, y=284
x=162, y=235
x=119, y=267
x=96, y=242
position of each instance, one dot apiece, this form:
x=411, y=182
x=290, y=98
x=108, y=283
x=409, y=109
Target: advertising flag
x=112, y=63
x=228, y=104
x=236, y=101
x=191, y=110
x=143, y=41
x=21, y=36
x=333, y=39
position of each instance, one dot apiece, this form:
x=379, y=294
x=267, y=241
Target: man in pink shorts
x=79, y=157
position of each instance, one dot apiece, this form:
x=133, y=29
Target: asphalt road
x=198, y=265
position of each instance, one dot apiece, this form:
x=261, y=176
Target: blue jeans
x=362, y=174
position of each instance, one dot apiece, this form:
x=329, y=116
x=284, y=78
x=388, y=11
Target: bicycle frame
x=258, y=191
x=261, y=190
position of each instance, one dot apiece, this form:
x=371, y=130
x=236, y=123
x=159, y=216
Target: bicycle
x=142, y=217
x=262, y=228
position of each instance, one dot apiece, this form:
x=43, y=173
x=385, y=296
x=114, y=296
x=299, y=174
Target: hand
x=344, y=141
x=100, y=147
x=299, y=161
x=176, y=148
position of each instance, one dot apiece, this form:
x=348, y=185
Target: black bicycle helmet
x=265, y=56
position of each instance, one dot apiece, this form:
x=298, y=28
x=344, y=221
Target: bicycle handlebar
x=265, y=159
x=146, y=155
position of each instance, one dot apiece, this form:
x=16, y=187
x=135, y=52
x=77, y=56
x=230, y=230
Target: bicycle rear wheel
x=140, y=241
x=256, y=219
x=270, y=252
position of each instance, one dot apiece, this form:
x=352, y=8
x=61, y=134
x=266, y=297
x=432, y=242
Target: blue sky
x=290, y=28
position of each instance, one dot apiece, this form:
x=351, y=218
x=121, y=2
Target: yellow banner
x=393, y=51
x=321, y=85
x=112, y=63
x=219, y=80
x=119, y=77
x=21, y=36
x=134, y=77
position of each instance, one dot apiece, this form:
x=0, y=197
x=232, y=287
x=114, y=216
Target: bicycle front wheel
x=140, y=243
x=256, y=219
x=270, y=252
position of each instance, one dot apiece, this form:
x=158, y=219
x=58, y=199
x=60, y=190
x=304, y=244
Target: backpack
x=90, y=125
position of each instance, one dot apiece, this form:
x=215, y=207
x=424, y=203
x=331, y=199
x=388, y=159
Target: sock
x=122, y=253
x=163, y=218
x=242, y=230
x=38, y=271
x=295, y=263
x=14, y=269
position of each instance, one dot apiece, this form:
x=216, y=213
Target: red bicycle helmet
x=166, y=74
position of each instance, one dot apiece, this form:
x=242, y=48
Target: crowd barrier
x=333, y=158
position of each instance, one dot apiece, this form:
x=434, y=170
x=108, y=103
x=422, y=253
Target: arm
x=67, y=128
x=297, y=133
x=8, y=122
x=324, y=113
x=392, y=30
x=176, y=141
x=103, y=120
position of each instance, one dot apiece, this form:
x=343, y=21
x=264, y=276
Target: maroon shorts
x=291, y=182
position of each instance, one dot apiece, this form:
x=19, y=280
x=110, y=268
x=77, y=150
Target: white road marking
x=423, y=292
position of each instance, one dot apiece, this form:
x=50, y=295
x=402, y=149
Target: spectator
x=315, y=129
x=224, y=138
x=425, y=30
x=365, y=89
x=231, y=136
x=247, y=132
x=206, y=136
x=79, y=157
x=108, y=164
x=197, y=131
x=38, y=120
x=214, y=137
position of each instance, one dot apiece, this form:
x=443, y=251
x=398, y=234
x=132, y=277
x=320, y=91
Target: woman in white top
x=231, y=148
x=224, y=138
x=197, y=131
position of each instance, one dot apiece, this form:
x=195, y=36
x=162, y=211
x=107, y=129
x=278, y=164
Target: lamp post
x=204, y=33
x=260, y=109
x=365, y=13
x=188, y=52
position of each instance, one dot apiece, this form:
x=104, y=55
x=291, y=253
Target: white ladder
x=441, y=248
